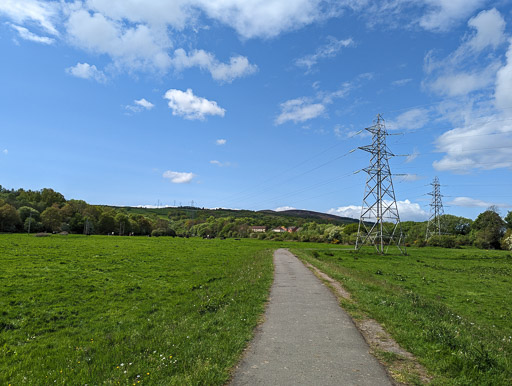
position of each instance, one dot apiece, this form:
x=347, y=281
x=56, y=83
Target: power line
x=379, y=223
x=436, y=210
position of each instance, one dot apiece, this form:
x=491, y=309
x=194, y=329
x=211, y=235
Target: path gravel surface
x=306, y=338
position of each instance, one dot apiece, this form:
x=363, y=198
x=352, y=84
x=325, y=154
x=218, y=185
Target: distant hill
x=202, y=213
x=311, y=215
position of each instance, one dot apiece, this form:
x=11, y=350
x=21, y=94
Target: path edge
x=377, y=338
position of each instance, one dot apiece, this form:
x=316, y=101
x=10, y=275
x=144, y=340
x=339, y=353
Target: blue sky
x=257, y=104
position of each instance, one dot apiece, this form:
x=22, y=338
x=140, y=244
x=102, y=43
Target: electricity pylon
x=379, y=223
x=436, y=210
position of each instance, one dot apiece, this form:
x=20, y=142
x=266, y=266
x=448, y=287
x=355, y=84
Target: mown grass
x=127, y=310
x=451, y=308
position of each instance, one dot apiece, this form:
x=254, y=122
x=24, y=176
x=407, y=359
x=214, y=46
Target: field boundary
x=398, y=362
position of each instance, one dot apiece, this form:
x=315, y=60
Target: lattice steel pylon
x=379, y=223
x=436, y=210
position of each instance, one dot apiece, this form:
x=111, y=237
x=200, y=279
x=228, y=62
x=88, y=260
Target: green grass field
x=127, y=310
x=138, y=310
x=451, y=308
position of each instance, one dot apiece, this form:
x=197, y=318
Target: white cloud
x=490, y=30
x=463, y=83
x=443, y=14
x=328, y=50
x=472, y=202
x=5, y=151
x=484, y=144
x=134, y=47
x=220, y=142
x=465, y=70
x=220, y=164
x=264, y=18
x=407, y=210
x=140, y=105
x=179, y=177
x=27, y=35
x=87, y=71
x=411, y=157
x=410, y=120
x=189, y=106
x=283, y=208
x=401, y=82
x=41, y=12
x=238, y=66
x=503, y=93
x=409, y=177
x=299, y=110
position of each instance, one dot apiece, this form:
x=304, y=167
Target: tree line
x=46, y=210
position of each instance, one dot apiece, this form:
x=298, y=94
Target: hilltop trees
x=10, y=220
x=488, y=228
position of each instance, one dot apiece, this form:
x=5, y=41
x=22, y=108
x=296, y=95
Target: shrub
x=444, y=241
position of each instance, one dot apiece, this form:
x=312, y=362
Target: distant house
x=258, y=229
x=280, y=230
x=292, y=229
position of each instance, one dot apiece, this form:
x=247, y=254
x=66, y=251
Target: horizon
x=127, y=105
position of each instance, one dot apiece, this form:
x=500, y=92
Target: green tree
x=50, y=197
x=106, y=223
x=508, y=219
x=9, y=218
x=489, y=228
x=51, y=219
x=27, y=212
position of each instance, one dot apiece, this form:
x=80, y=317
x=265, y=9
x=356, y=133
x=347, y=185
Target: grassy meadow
x=451, y=308
x=127, y=310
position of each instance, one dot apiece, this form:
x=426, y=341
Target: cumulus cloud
x=238, y=66
x=299, y=110
x=220, y=142
x=328, y=50
x=490, y=30
x=140, y=105
x=42, y=13
x=134, y=47
x=462, y=72
x=442, y=14
x=472, y=202
x=27, y=35
x=260, y=18
x=189, y=106
x=283, y=208
x=482, y=145
x=87, y=71
x=409, y=211
x=179, y=177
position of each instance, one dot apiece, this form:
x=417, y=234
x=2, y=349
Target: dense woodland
x=48, y=211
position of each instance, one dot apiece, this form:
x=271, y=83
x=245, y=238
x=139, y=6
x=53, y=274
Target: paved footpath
x=306, y=339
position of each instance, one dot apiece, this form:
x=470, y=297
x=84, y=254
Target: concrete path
x=306, y=339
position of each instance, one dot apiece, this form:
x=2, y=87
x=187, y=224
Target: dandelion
x=147, y=373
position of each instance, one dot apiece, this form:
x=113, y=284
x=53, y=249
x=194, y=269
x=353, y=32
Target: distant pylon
x=379, y=223
x=436, y=210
